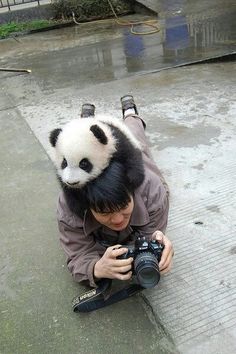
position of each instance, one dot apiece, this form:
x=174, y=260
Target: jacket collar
x=90, y=224
x=139, y=217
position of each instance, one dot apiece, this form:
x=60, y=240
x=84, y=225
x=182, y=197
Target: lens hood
x=146, y=269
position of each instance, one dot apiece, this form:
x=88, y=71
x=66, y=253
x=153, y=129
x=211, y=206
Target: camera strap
x=97, y=298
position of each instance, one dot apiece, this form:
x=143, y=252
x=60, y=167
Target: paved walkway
x=178, y=7
x=35, y=287
x=190, y=114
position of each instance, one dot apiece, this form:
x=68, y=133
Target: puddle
x=102, y=52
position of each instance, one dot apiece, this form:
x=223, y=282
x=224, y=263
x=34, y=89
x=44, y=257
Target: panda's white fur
x=76, y=142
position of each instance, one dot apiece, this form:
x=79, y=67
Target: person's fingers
x=167, y=262
x=115, y=251
x=115, y=246
x=167, y=269
x=122, y=262
x=123, y=276
x=124, y=269
x=158, y=236
x=110, y=249
x=118, y=252
x=168, y=249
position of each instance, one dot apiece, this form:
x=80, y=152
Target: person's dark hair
x=111, y=191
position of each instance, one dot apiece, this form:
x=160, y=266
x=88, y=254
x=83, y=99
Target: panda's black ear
x=99, y=134
x=54, y=135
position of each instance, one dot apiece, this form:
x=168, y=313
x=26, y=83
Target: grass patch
x=13, y=27
x=83, y=10
x=89, y=9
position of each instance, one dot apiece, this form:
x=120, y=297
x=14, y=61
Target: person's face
x=116, y=221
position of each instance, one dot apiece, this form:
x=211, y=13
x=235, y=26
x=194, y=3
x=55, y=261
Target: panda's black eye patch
x=64, y=164
x=86, y=165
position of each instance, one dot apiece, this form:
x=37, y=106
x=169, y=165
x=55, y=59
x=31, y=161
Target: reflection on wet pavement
x=82, y=57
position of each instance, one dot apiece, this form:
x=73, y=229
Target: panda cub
x=84, y=148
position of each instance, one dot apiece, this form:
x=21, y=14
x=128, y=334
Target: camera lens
x=146, y=269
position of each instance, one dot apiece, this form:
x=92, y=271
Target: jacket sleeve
x=81, y=250
x=158, y=209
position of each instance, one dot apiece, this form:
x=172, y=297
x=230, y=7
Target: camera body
x=140, y=246
x=146, y=255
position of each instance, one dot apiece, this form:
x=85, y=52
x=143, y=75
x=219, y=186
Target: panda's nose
x=72, y=184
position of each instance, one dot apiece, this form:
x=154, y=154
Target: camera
x=147, y=255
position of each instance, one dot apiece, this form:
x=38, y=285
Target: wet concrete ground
x=190, y=115
x=82, y=57
x=35, y=287
x=166, y=8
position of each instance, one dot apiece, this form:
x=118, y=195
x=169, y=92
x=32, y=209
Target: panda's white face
x=83, y=149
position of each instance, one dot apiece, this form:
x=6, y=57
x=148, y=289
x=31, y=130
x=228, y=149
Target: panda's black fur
x=130, y=157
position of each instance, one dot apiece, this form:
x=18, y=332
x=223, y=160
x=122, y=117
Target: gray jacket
x=85, y=241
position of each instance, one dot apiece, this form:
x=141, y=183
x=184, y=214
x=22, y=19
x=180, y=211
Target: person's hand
x=167, y=254
x=110, y=267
